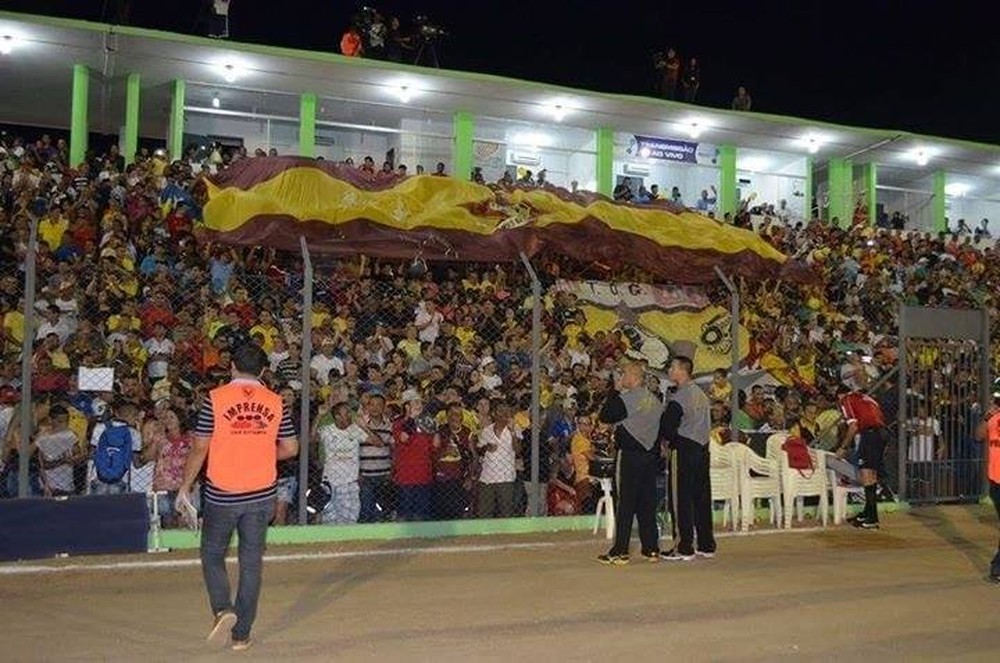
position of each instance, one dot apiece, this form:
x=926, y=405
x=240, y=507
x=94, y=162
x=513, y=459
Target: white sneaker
x=224, y=622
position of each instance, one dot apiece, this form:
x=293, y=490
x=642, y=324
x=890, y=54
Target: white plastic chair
x=839, y=493
x=767, y=485
x=724, y=475
x=605, y=508
x=797, y=485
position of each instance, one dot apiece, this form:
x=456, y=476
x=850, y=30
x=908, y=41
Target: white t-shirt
x=341, y=452
x=433, y=321
x=499, y=465
x=54, y=446
x=491, y=382
x=923, y=432
x=323, y=365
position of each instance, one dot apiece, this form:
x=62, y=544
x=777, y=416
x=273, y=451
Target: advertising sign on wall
x=668, y=149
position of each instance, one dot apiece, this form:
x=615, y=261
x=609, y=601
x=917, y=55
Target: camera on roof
x=429, y=30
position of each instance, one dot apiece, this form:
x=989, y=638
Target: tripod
x=427, y=54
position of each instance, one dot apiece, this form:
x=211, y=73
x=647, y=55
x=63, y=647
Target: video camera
x=428, y=31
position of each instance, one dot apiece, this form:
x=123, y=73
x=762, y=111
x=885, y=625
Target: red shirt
x=412, y=459
x=863, y=410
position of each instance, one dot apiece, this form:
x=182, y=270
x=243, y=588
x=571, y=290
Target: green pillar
x=307, y=125
x=78, y=127
x=175, y=140
x=605, y=161
x=465, y=129
x=727, y=180
x=808, y=191
x=839, y=187
x=131, y=143
x=869, y=179
x=937, y=203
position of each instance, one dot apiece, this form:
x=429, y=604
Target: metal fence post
x=734, y=333
x=534, y=498
x=902, y=408
x=985, y=388
x=305, y=395
x=27, y=349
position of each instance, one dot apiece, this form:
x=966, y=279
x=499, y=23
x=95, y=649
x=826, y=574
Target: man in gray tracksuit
x=685, y=427
x=637, y=412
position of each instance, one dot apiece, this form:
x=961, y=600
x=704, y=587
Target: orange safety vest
x=993, y=451
x=243, y=450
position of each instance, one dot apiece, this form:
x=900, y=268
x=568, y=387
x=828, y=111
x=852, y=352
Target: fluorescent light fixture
x=694, y=129
x=7, y=44
x=215, y=102
x=404, y=93
x=957, y=189
x=812, y=143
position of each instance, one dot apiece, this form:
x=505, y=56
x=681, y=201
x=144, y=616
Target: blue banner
x=664, y=149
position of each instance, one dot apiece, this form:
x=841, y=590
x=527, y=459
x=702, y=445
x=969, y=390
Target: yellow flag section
x=657, y=335
x=337, y=195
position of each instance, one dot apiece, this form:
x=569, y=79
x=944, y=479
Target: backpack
x=798, y=456
x=114, y=453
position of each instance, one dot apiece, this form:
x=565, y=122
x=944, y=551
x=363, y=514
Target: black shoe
x=868, y=524
x=652, y=557
x=613, y=560
x=994, y=578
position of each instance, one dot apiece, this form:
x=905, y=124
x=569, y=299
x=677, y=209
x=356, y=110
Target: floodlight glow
x=558, y=112
x=921, y=157
x=694, y=129
x=7, y=44
x=231, y=70
x=404, y=94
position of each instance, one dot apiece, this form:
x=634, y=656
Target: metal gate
x=944, y=383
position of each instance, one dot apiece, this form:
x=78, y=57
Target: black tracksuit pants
x=693, y=499
x=635, y=476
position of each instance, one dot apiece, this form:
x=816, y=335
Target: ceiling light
x=694, y=129
x=215, y=102
x=558, y=112
x=404, y=94
x=231, y=70
x=7, y=43
x=921, y=157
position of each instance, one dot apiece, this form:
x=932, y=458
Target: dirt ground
x=915, y=590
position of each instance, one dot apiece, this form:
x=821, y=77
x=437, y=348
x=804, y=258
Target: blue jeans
x=218, y=524
x=376, y=505
x=414, y=503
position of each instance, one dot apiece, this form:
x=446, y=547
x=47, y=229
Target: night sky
x=928, y=67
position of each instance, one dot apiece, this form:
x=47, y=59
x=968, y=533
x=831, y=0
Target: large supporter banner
x=659, y=322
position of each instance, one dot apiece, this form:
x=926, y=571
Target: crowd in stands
x=420, y=374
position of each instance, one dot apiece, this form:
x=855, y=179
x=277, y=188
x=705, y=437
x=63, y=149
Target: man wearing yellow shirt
x=267, y=329
x=411, y=344
x=581, y=448
x=52, y=228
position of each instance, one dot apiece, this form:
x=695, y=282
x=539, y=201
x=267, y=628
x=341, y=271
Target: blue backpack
x=114, y=453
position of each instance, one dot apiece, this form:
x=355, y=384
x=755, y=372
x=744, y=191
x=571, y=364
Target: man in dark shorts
x=866, y=422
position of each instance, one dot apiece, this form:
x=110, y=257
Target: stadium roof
x=39, y=72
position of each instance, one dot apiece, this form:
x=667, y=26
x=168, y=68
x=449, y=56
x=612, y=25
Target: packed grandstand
x=130, y=277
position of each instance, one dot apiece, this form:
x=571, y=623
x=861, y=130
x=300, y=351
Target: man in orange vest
x=243, y=430
x=351, y=44
x=989, y=432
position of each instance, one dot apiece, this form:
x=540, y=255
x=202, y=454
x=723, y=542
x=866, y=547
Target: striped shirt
x=377, y=461
x=206, y=426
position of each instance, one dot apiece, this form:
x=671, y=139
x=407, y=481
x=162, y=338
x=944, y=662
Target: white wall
x=973, y=210
x=338, y=144
x=915, y=204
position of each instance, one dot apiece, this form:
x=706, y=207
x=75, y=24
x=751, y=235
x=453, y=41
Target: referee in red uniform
x=865, y=422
